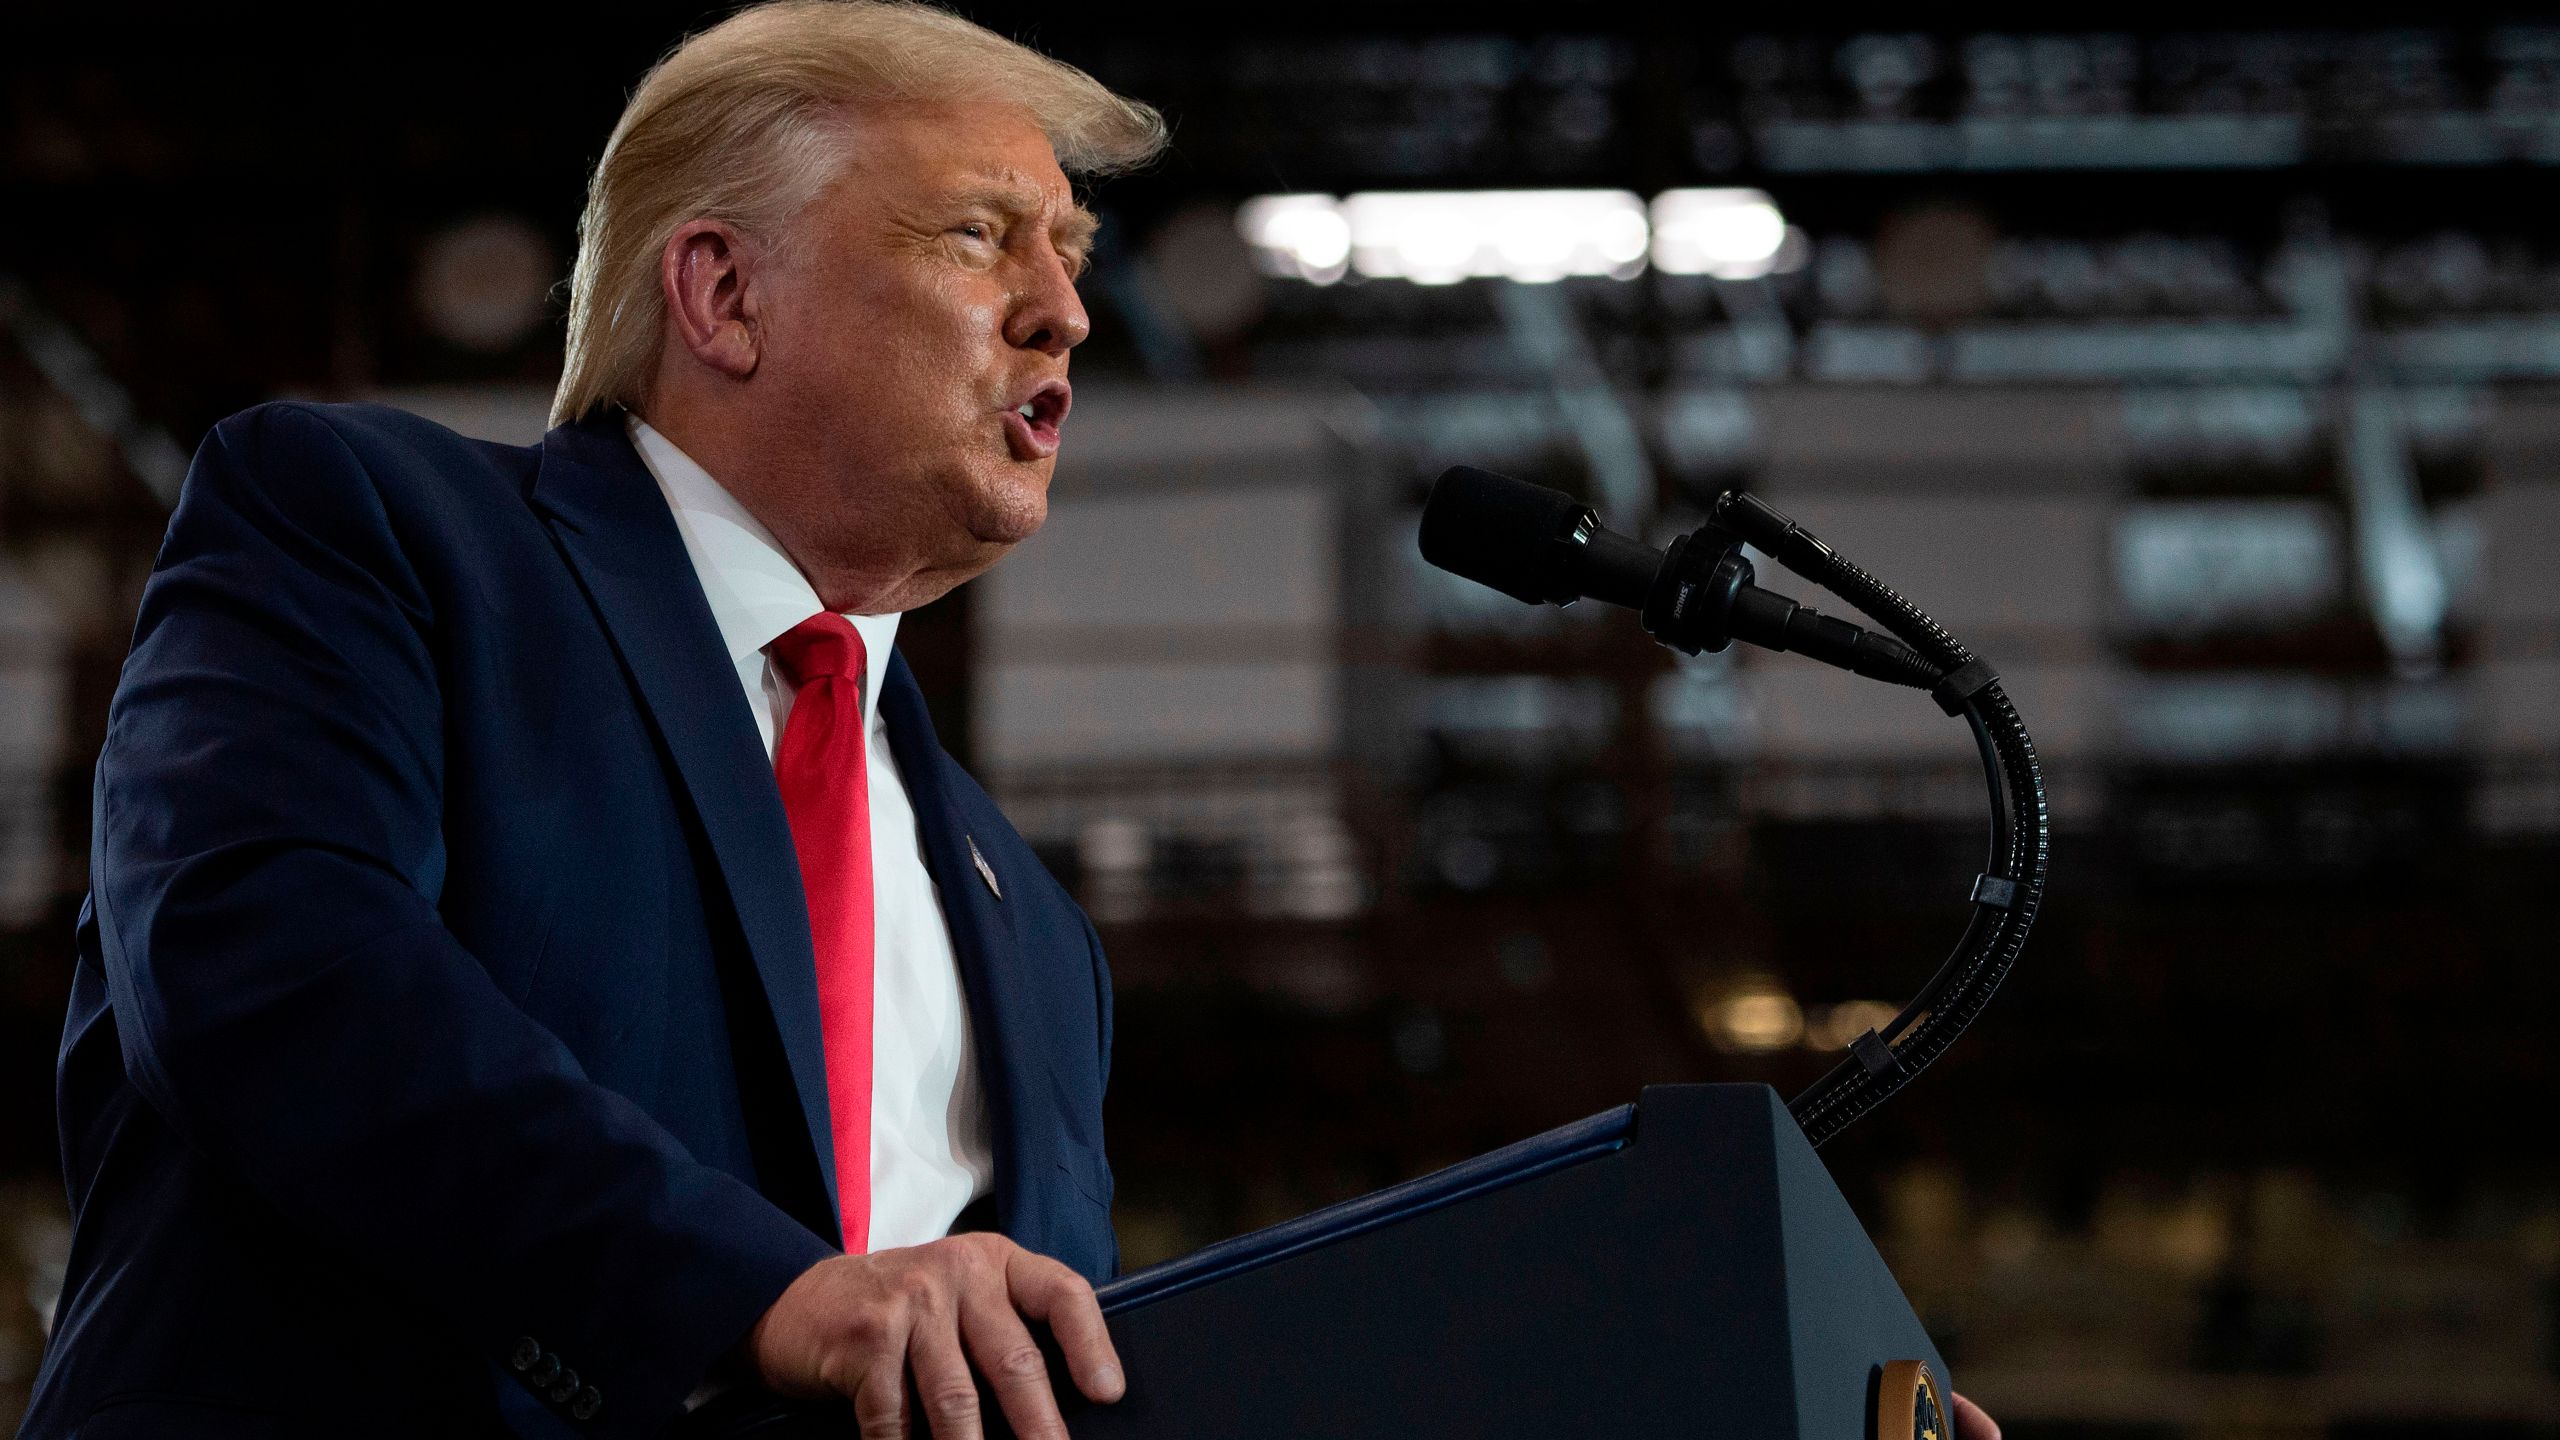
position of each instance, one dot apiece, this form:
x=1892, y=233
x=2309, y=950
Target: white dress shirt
x=930, y=1153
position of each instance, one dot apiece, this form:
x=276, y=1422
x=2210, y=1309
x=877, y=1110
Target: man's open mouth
x=1032, y=427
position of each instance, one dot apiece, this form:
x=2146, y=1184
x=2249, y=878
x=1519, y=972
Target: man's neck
x=875, y=581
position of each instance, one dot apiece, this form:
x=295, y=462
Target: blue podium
x=1680, y=1266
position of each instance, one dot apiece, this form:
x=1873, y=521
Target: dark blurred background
x=2200, y=368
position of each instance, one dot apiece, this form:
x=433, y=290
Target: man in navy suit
x=540, y=970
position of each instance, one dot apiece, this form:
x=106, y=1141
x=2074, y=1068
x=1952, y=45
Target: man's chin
x=1010, y=509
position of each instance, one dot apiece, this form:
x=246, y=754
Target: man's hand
x=1972, y=1424
x=858, y=1326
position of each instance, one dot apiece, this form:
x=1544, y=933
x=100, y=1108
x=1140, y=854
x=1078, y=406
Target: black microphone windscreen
x=1500, y=532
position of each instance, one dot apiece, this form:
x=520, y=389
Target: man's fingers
x=1972, y=1424
x=1003, y=1348
x=1046, y=1290
x=880, y=1400
x=944, y=1386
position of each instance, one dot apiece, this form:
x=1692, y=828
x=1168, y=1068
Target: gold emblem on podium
x=1908, y=1405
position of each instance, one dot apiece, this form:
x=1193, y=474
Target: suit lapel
x=611, y=522
x=1002, y=1027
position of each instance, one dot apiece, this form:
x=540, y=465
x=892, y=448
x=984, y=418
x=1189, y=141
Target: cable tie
x=1958, y=686
x=1995, y=892
x=1874, y=1054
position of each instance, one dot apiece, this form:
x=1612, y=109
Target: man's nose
x=1048, y=316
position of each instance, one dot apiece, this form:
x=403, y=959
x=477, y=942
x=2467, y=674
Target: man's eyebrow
x=1076, y=229
x=1012, y=202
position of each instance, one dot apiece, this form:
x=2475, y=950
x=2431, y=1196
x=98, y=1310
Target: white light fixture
x=1436, y=237
x=1439, y=237
x=1303, y=236
x=1730, y=234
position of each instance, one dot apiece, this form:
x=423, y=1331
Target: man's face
x=926, y=299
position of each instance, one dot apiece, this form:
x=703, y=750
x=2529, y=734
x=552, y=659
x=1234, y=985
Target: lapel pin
x=986, y=871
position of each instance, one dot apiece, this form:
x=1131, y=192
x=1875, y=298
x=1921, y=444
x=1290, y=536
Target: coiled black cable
x=1882, y=1062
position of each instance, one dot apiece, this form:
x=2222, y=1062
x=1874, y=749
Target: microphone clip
x=1704, y=598
x=1690, y=607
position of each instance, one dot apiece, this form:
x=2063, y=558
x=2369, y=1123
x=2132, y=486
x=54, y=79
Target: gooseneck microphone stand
x=1542, y=546
x=2011, y=886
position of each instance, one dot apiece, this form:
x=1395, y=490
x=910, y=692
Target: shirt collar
x=756, y=593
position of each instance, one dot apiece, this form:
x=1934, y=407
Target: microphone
x=1544, y=547
x=1531, y=543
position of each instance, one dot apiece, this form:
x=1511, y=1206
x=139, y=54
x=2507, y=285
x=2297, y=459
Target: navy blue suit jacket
x=445, y=1020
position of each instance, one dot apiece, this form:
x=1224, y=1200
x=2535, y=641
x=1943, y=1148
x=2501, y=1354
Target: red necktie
x=826, y=791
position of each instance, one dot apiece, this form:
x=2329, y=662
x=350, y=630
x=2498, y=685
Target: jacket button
x=544, y=1371
x=586, y=1405
x=526, y=1352
x=567, y=1387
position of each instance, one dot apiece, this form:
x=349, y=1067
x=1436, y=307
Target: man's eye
x=975, y=231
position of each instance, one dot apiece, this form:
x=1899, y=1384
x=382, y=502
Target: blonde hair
x=746, y=123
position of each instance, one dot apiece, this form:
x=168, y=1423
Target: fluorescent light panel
x=1730, y=234
x=1439, y=237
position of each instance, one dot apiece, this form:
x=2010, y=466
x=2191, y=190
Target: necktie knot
x=824, y=645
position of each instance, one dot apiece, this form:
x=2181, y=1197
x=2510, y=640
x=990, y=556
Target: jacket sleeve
x=1102, y=1043
x=267, y=845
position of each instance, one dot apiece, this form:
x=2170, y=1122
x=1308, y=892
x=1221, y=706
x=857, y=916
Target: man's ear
x=708, y=272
